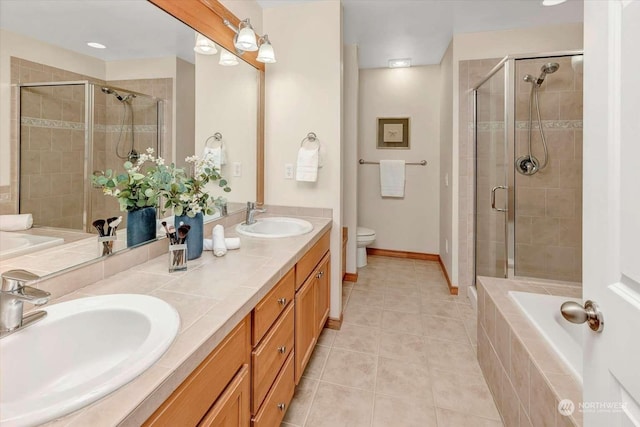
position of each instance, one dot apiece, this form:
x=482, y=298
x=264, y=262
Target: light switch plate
x=237, y=169
x=288, y=171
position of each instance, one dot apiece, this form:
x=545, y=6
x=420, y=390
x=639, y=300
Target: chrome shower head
x=548, y=68
x=121, y=98
x=107, y=90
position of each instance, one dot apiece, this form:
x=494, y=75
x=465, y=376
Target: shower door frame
x=88, y=138
x=509, y=64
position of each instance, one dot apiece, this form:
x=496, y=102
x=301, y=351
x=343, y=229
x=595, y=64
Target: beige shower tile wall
x=548, y=228
x=470, y=72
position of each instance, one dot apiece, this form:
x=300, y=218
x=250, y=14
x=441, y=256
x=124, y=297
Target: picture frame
x=393, y=132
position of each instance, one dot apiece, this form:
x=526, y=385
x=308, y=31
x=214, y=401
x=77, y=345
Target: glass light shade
x=552, y=2
x=266, y=54
x=246, y=39
x=227, y=58
x=204, y=46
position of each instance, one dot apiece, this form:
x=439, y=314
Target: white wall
x=227, y=102
x=410, y=223
x=246, y=9
x=446, y=139
x=497, y=44
x=12, y=44
x=303, y=94
x=350, y=151
x=185, y=119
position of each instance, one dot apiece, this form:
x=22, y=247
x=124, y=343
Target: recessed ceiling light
x=552, y=2
x=96, y=45
x=400, y=63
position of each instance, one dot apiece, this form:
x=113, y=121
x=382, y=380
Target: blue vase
x=196, y=234
x=141, y=226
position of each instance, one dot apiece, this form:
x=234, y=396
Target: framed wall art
x=393, y=132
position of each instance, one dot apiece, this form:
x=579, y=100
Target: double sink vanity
x=223, y=343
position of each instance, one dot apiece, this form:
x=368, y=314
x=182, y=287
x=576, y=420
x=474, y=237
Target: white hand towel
x=16, y=222
x=207, y=244
x=219, y=247
x=307, y=167
x=232, y=243
x=392, y=178
x=217, y=155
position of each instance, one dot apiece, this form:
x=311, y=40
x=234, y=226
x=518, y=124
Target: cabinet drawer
x=308, y=262
x=270, y=355
x=232, y=408
x=268, y=310
x=191, y=400
x=277, y=401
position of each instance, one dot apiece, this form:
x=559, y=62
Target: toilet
x=366, y=236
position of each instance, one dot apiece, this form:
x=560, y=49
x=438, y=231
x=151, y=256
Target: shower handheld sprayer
x=132, y=155
x=529, y=164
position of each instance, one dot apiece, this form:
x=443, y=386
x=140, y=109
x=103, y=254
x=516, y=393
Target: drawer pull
x=282, y=406
x=282, y=301
x=282, y=349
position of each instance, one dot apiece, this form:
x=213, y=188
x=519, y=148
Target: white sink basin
x=83, y=350
x=275, y=227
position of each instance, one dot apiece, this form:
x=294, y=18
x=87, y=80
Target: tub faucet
x=13, y=293
x=251, y=211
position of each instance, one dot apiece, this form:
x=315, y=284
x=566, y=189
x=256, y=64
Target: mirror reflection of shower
x=529, y=164
x=127, y=112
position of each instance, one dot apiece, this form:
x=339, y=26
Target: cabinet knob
x=282, y=349
x=282, y=406
x=282, y=301
x=318, y=276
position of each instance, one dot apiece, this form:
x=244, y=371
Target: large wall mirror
x=69, y=110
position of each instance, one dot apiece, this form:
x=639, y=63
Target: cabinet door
x=305, y=327
x=232, y=408
x=323, y=276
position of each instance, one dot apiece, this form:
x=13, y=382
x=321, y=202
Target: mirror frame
x=206, y=17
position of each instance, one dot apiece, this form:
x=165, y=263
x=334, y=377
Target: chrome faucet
x=12, y=295
x=251, y=212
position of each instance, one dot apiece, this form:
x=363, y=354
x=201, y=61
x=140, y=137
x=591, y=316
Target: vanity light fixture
x=265, y=53
x=96, y=45
x=400, y=63
x=552, y=2
x=227, y=58
x=204, y=45
x=246, y=40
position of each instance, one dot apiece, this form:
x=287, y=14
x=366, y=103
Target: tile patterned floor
x=405, y=356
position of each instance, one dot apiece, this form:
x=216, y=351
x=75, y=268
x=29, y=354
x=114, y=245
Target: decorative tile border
x=524, y=124
x=47, y=123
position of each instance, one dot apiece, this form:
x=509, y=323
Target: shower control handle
x=493, y=198
x=590, y=313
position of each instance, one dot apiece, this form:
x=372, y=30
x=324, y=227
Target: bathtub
x=564, y=337
x=13, y=244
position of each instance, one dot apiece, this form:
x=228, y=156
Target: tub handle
x=590, y=313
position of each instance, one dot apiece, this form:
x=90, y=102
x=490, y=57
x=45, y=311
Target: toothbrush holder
x=105, y=245
x=177, y=257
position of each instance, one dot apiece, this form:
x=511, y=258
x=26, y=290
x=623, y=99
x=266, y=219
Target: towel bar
x=420, y=163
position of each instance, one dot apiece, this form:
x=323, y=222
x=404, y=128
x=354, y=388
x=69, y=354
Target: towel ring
x=311, y=137
x=217, y=137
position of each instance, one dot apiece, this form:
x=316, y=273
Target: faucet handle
x=251, y=205
x=15, y=279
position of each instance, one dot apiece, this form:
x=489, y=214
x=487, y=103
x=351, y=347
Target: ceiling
x=422, y=29
x=383, y=29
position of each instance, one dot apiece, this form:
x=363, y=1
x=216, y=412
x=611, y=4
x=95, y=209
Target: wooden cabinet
x=188, y=405
x=232, y=408
x=323, y=284
x=277, y=402
x=312, y=301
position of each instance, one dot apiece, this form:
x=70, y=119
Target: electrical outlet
x=237, y=169
x=288, y=171
x=446, y=246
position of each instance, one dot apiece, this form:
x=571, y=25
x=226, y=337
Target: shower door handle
x=493, y=198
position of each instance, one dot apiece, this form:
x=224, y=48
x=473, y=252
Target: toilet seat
x=365, y=232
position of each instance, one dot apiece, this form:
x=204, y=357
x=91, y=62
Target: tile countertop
x=212, y=296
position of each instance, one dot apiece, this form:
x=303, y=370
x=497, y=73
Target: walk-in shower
x=70, y=130
x=528, y=119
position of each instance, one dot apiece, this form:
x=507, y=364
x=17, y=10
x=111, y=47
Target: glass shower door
x=491, y=177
